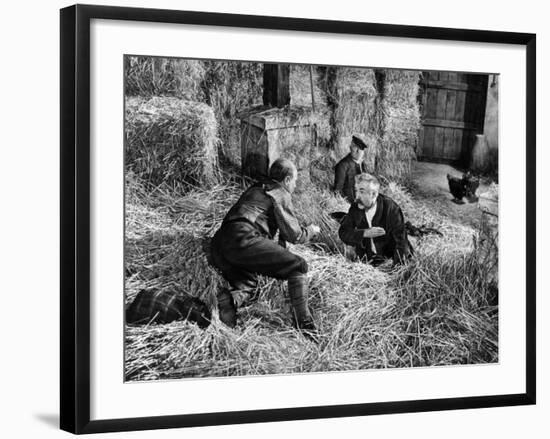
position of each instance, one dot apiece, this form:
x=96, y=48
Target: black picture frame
x=75, y=217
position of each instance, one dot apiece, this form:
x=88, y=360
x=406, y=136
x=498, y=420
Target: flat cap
x=359, y=140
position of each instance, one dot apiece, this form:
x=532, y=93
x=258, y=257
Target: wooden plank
x=457, y=135
x=444, y=77
x=451, y=85
x=453, y=77
x=439, y=143
x=276, y=83
x=431, y=103
x=420, y=150
x=443, y=123
x=428, y=146
x=449, y=149
x=450, y=105
x=460, y=106
x=440, y=105
x=434, y=76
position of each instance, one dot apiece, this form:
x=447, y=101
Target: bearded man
x=374, y=224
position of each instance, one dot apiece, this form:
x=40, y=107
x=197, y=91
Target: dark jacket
x=268, y=207
x=394, y=244
x=344, y=177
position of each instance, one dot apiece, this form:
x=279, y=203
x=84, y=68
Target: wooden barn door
x=453, y=111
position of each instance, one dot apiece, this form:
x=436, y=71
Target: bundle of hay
x=229, y=88
x=350, y=96
x=300, y=95
x=171, y=140
x=399, y=122
x=149, y=76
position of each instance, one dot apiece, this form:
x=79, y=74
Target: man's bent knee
x=301, y=266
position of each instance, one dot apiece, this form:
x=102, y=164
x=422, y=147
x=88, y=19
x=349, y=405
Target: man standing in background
x=347, y=168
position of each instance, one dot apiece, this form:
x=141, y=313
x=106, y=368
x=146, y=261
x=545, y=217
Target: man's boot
x=297, y=290
x=226, y=308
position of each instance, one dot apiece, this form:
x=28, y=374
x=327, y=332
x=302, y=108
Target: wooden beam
x=442, y=123
x=447, y=85
x=276, y=85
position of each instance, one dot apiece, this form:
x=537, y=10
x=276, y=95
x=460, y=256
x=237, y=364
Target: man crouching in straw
x=374, y=224
x=243, y=247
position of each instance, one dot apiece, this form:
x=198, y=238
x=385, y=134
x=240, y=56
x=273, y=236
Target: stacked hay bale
x=351, y=97
x=149, y=76
x=381, y=104
x=301, y=95
x=229, y=88
x=172, y=141
x=398, y=122
x=344, y=104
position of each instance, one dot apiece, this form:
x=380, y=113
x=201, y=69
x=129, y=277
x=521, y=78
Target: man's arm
x=290, y=229
x=348, y=231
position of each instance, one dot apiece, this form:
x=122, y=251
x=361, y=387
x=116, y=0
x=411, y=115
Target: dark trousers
x=241, y=253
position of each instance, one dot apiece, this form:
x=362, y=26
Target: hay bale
x=148, y=76
x=350, y=96
x=381, y=104
x=229, y=88
x=399, y=122
x=171, y=140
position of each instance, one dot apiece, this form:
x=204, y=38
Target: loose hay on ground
x=432, y=312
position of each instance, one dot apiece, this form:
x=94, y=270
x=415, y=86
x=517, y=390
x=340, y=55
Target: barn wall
x=491, y=121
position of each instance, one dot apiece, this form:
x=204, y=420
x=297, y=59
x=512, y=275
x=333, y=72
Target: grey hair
x=281, y=168
x=367, y=178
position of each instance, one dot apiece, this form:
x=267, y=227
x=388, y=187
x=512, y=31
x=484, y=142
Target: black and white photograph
x=296, y=218
x=275, y=219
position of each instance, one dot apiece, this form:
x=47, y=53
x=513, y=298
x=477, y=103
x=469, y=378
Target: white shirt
x=369, y=214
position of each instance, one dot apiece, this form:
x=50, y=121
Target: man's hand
x=373, y=232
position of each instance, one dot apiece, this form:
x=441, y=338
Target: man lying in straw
x=374, y=224
x=243, y=247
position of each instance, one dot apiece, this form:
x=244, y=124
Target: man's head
x=366, y=189
x=357, y=147
x=284, y=171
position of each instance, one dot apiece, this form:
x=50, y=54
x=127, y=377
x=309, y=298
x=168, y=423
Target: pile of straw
x=398, y=124
x=351, y=97
x=434, y=311
x=169, y=140
x=148, y=76
x=230, y=88
x=227, y=87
